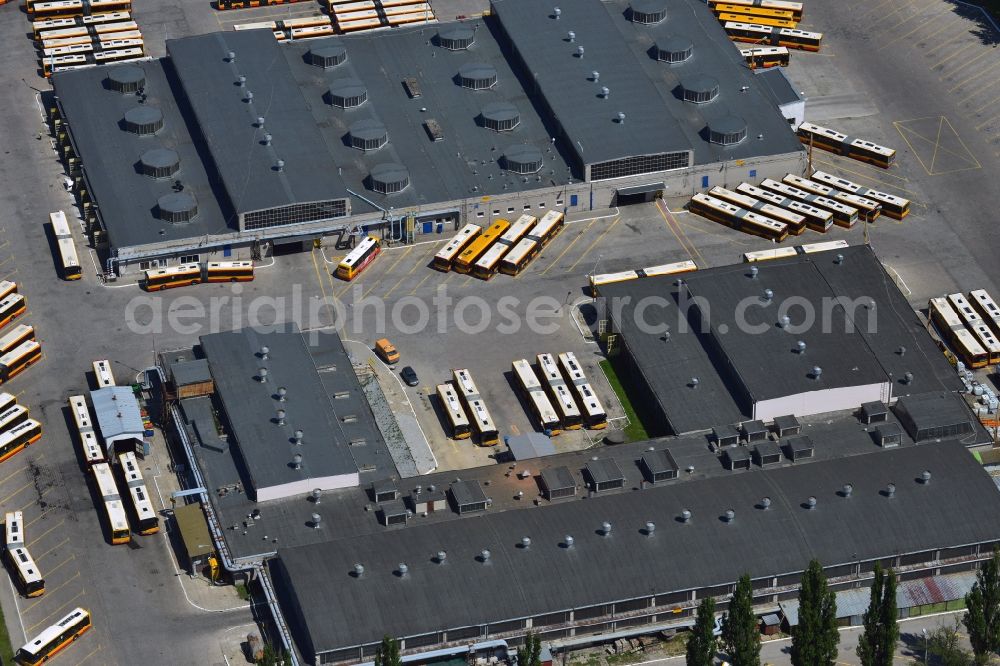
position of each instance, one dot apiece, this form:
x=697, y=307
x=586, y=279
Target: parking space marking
x=928, y=16
x=978, y=91
x=679, y=234
x=984, y=124
x=51, y=592
x=975, y=76
x=60, y=566
x=388, y=271
x=46, y=552
x=920, y=128
x=35, y=499
x=566, y=249
x=91, y=654
x=940, y=64
x=873, y=8
x=20, y=470
x=55, y=612
x=903, y=6
x=420, y=262
x=594, y=243
x=414, y=290
x=929, y=21
x=19, y=490
x=43, y=534
x=989, y=103
x=37, y=518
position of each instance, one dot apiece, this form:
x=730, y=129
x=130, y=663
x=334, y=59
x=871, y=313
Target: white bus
x=893, y=206
x=13, y=529
x=868, y=210
x=816, y=218
x=18, y=336
x=446, y=255
x=69, y=263
x=987, y=307
x=480, y=417
x=54, y=639
x=13, y=416
x=594, y=416
x=843, y=215
x=103, y=375
x=559, y=392
x=982, y=332
x=796, y=223
x=488, y=264
x=90, y=446
x=143, y=514
x=547, y=228
x=458, y=421
x=951, y=328
x=112, y=509
x=538, y=401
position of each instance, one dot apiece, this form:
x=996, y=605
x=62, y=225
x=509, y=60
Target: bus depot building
x=234, y=145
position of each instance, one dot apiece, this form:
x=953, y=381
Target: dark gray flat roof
x=556, y=478
x=604, y=470
x=126, y=198
x=228, y=122
x=194, y=371
x=936, y=410
x=467, y=492
x=777, y=84
x=736, y=453
x=659, y=461
x=341, y=610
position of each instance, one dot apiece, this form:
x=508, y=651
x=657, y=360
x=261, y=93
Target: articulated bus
x=975, y=323
x=359, y=258
x=987, y=308
x=868, y=210
x=817, y=219
x=519, y=256
x=482, y=423
x=756, y=33
x=63, y=63
x=794, y=9
x=144, y=519
x=757, y=20
x=474, y=250
x=458, y=422
x=446, y=255
x=596, y=281
x=594, y=416
x=103, y=374
x=767, y=56
x=559, y=393
x=13, y=529
x=895, y=207
x=157, y=279
x=54, y=639
x=843, y=215
x=547, y=228
x=13, y=416
x=112, y=509
x=842, y=144
x=17, y=438
x=91, y=447
x=25, y=572
x=19, y=359
x=40, y=26
x=17, y=337
x=785, y=252
x=488, y=264
x=752, y=14
x=68, y=260
x=229, y=271
x=541, y=407
x=363, y=24
x=951, y=328
x=738, y=218
x=796, y=223
x=12, y=307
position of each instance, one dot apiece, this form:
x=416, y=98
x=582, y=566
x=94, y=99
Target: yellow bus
x=868, y=210
x=19, y=359
x=12, y=306
x=479, y=416
x=7, y=288
x=747, y=6
x=843, y=215
x=594, y=416
x=547, y=228
x=359, y=258
x=737, y=218
x=970, y=316
x=158, y=279
x=756, y=33
x=541, y=407
x=17, y=337
x=842, y=144
x=463, y=263
x=25, y=572
x=458, y=421
x=446, y=255
x=817, y=219
x=893, y=206
x=143, y=515
x=987, y=308
x=954, y=332
x=54, y=639
x=519, y=256
x=559, y=393
x=229, y=271
x=90, y=447
x=19, y=438
x=112, y=509
x=767, y=56
x=103, y=374
x=753, y=12
x=796, y=223
x=759, y=20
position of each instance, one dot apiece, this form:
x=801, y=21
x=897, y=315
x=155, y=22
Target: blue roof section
x=117, y=412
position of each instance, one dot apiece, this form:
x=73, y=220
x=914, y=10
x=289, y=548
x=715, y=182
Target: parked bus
x=547, y=228
x=458, y=422
x=868, y=210
x=446, y=255
x=767, y=56
x=541, y=407
x=103, y=374
x=89, y=444
x=954, y=332
x=54, y=639
x=17, y=337
x=112, y=509
x=597, y=281
x=19, y=359
x=791, y=38
x=895, y=207
x=594, y=416
x=987, y=308
x=785, y=252
x=12, y=307
x=24, y=570
x=752, y=14
x=43, y=25
x=229, y=271
x=13, y=529
x=982, y=332
x=489, y=263
x=463, y=263
x=737, y=218
x=842, y=144
x=751, y=6
x=157, y=279
x=19, y=437
x=843, y=215
x=7, y=401
x=817, y=219
x=482, y=423
x=559, y=393
x=758, y=20
x=7, y=288
x=12, y=416
x=363, y=24
x=144, y=519
x=519, y=256
x=359, y=258
x=796, y=223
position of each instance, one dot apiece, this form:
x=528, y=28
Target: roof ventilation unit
x=248, y=97
x=925, y=476
x=727, y=131
x=440, y=557
x=297, y=438
x=279, y=417
x=729, y=516
x=556, y=13
x=846, y=490
x=126, y=79
x=522, y=159
x=768, y=294
x=648, y=12
x=784, y=321
x=279, y=165
x=484, y=556
x=890, y=490
x=143, y=120
x=753, y=272
x=267, y=139
x=605, y=92
x=402, y=569
x=477, y=76
x=348, y=93
x=177, y=207
x=297, y=461
x=359, y=570
x=231, y=57
x=650, y=528
x=327, y=56
x=811, y=502
x=800, y=347
x=580, y=51
x=525, y=542
x=620, y=118
x=317, y=496
x=159, y=163
x=816, y=372
x=368, y=135
x=674, y=49
x=316, y=519
x=389, y=178
x=839, y=259
x=458, y=38
x=595, y=76
x=241, y=80
x=765, y=503
x=606, y=529
x=282, y=394
x=686, y=516
x=568, y=541
x=500, y=116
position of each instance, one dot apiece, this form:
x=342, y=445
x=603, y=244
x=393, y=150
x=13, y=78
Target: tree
x=388, y=653
x=701, y=644
x=740, y=633
x=982, y=615
x=877, y=644
x=530, y=654
x=814, y=640
x=945, y=644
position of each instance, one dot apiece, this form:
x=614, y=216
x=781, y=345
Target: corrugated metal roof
x=117, y=412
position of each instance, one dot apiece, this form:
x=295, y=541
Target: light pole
x=924, y=630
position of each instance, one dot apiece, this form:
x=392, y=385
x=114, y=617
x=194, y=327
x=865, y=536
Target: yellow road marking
x=989, y=103
x=671, y=222
x=974, y=76
x=937, y=143
x=984, y=124
x=885, y=16
x=943, y=27
x=21, y=489
x=13, y=474
x=596, y=241
x=40, y=496
x=37, y=518
x=41, y=555
x=42, y=621
x=904, y=36
x=60, y=565
x=91, y=654
x=389, y=270
x=39, y=537
x=979, y=90
x=51, y=592
x=928, y=17
x=969, y=157
x=408, y=274
x=571, y=244
x=874, y=7
x=940, y=64
x=414, y=290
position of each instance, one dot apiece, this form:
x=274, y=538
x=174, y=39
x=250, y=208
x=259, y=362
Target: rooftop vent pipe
x=440, y=557
x=280, y=417
x=556, y=13
x=402, y=569
x=811, y=502
x=316, y=518
x=729, y=516
x=484, y=556
x=925, y=476
x=568, y=541
x=606, y=529
x=298, y=437
x=846, y=490
x=890, y=490
x=686, y=516
x=282, y=392
x=262, y=375
x=297, y=461
x=359, y=570
x=650, y=528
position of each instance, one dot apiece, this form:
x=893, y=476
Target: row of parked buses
x=359, y=15
x=766, y=56
x=69, y=263
x=19, y=349
x=157, y=279
x=69, y=39
x=971, y=326
x=465, y=409
x=500, y=248
x=843, y=144
x=769, y=35
x=17, y=429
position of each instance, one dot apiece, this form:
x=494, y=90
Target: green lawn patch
x=6, y=649
x=635, y=431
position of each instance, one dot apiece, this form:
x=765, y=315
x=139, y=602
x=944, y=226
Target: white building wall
x=821, y=401
x=794, y=112
x=284, y=490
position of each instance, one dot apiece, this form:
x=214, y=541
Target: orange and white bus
x=817, y=219
x=359, y=258
x=560, y=394
x=463, y=263
x=12, y=307
x=796, y=223
x=229, y=271
x=458, y=421
x=843, y=215
x=446, y=255
x=19, y=437
x=533, y=393
x=143, y=515
x=112, y=509
x=54, y=639
x=952, y=330
x=893, y=206
x=89, y=444
x=842, y=144
x=157, y=279
x=479, y=416
x=868, y=210
x=19, y=359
